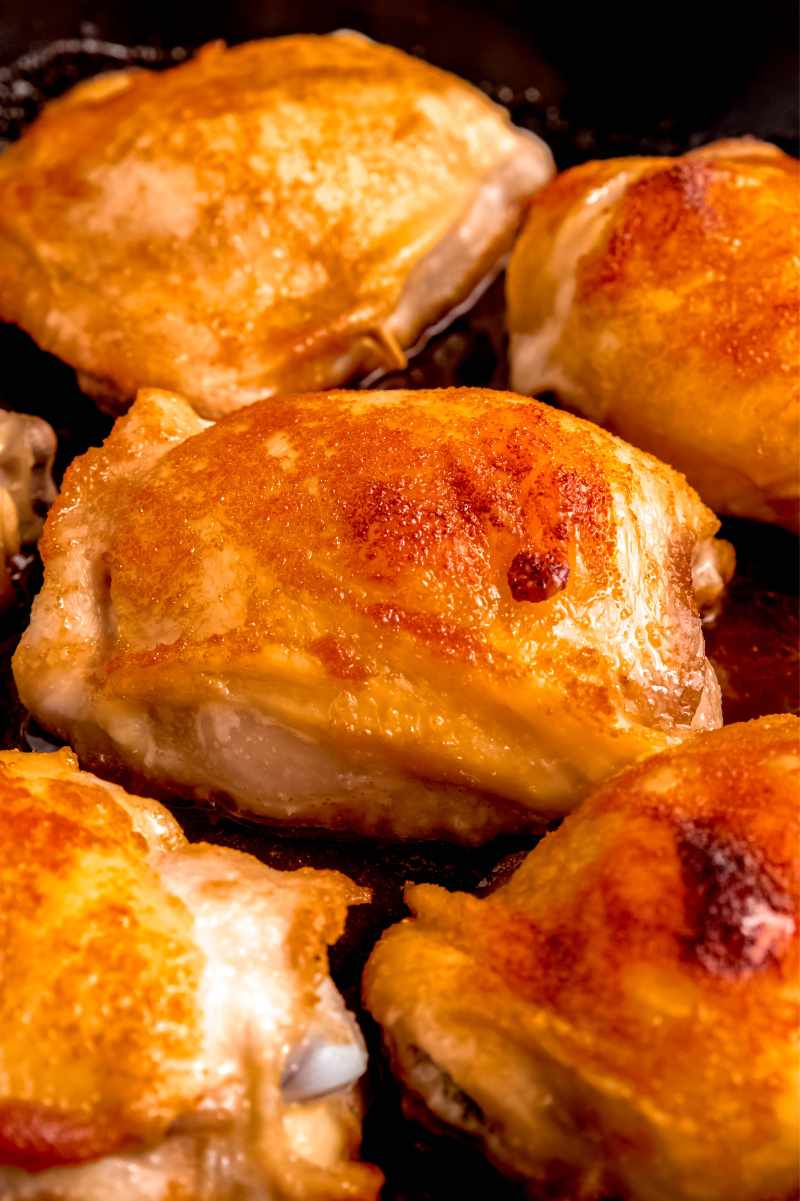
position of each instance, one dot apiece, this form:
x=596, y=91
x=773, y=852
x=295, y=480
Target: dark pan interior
x=594, y=81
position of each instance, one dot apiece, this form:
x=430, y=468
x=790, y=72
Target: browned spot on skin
x=392, y=518
x=656, y=206
x=537, y=577
x=36, y=1137
x=339, y=659
x=585, y=498
x=740, y=918
x=679, y=226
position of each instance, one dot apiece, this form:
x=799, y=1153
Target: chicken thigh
x=410, y=614
x=277, y=216
x=661, y=297
x=620, y=1019
x=168, y=1028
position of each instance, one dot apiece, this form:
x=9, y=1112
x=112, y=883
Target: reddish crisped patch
x=740, y=917
x=681, y=226
x=403, y=523
x=37, y=1137
x=535, y=961
x=584, y=497
x=655, y=207
x=340, y=659
x=451, y=503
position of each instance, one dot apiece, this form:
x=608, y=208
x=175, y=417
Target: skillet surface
x=576, y=92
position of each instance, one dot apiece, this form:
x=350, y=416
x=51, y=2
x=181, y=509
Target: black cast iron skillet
x=595, y=81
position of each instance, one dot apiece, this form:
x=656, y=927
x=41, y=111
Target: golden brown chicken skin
x=620, y=1019
x=277, y=216
x=402, y=613
x=661, y=297
x=168, y=1029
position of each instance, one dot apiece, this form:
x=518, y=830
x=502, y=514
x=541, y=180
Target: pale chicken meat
x=411, y=614
x=277, y=216
x=661, y=297
x=169, y=1030
x=620, y=1018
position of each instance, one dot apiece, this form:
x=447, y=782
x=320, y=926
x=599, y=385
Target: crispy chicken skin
x=168, y=1030
x=277, y=216
x=620, y=1019
x=414, y=614
x=661, y=297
